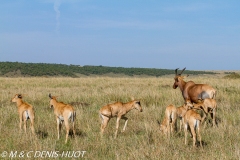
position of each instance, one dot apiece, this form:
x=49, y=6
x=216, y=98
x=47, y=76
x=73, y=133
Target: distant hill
x=232, y=75
x=13, y=69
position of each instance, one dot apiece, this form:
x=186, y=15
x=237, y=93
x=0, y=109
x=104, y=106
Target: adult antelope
x=25, y=112
x=119, y=110
x=64, y=113
x=208, y=106
x=192, y=91
x=192, y=120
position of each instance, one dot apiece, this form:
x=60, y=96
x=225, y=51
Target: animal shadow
x=41, y=134
x=79, y=133
x=203, y=144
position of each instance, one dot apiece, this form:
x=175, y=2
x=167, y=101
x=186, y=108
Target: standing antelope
x=180, y=113
x=63, y=112
x=119, y=110
x=192, y=120
x=171, y=115
x=168, y=124
x=192, y=91
x=208, y=106
x=25, y=112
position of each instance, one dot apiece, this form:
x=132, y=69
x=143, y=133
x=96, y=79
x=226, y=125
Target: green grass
x=141, y=140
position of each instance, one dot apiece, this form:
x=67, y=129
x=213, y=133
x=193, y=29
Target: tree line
x=46, y=69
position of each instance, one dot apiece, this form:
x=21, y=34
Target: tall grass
x=141, y=139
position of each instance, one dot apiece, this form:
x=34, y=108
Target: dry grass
x=141, y=139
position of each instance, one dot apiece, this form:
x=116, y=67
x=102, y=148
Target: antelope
x=25, y=111
x=63, y=112
x=180, y=113
x=168, y=124
x=192, y=91
x=171, y=115
x=119, y=110
x=192, y=120
x=208, y=106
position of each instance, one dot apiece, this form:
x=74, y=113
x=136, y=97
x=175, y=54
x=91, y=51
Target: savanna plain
x=141, y=140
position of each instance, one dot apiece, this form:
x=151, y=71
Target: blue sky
x=199, y=35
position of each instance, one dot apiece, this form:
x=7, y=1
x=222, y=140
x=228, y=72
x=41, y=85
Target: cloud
x=194, y=7
x=56, y=6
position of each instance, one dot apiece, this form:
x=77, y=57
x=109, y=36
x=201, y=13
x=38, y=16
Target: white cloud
x=56, y=6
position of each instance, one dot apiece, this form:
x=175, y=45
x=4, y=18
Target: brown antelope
x=192, y=120
x=171, y=115
x=25, y=111
x=119, y=110
x=192, y=91
x=180, y=113
x=168, y=124
x=63, y=112
x=208, y=106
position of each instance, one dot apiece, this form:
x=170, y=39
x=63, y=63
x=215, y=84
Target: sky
x=197, y=34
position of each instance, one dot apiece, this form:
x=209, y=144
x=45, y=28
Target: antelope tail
x=73, y=116
x=101, y=117
x=197, y=123
x=214, y=94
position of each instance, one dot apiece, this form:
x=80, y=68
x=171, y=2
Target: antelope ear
x=19, y=96
x=138, y=102
x=185, y=76
x=132, y=98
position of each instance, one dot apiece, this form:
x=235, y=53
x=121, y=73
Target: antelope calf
x=192, y=120
x=181, y=111
x=119, y=110
x=63, y=113
x=180, y=114
x=168, y=124
x=208, y=106
x=25, y=112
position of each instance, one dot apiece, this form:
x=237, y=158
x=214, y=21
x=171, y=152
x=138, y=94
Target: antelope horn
x=50, y=95
x=182, y=71
x=176, y=71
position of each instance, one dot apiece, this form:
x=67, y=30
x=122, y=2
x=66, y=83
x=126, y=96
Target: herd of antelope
x=196, y=97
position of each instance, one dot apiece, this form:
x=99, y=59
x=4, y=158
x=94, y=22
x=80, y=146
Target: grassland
x=141, y=139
